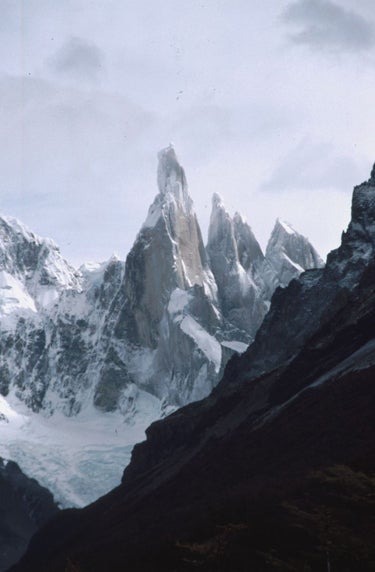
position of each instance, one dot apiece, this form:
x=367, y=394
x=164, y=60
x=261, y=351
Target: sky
x=269, y=103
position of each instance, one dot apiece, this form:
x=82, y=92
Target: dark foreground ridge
x=24, y=507
x=276, y=469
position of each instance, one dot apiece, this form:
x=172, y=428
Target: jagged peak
x=361, y=229
x=17, y=227
x=371, y=181
x=283, y=226
x=238, y=218
x=167, y=152
x=372, y=176
x=363, y=203
x=282, y=236
x=286, y=242
x=221, y=224
x=171, y=175
x=114, y=257
x=173, y=188
x=217, y=201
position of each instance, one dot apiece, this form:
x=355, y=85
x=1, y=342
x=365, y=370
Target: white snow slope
x=78, y=458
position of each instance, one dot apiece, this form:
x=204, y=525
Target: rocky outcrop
x=245, y=277
x=24, y=507
x=168, y=254
x=235, y=255
x=288, y=254
x=169, y=297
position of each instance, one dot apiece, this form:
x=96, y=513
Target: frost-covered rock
x=168, y=253
x=247, y=279
x=134, y=340
x=235, y=255
x=167, y=262
x=35, y=263
x=165, y=324
x=288, y=254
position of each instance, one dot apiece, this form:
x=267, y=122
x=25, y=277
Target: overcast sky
x=270, y=103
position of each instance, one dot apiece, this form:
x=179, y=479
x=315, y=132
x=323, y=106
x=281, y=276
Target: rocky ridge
x=24, y=506
x=275, y=469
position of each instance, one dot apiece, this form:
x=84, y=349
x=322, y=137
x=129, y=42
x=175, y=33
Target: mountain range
x=106, y=333
x=90, y=357
x=136, y=339
x=275, y=469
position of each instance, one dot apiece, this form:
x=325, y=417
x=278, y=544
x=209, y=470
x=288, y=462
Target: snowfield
x=78, y=458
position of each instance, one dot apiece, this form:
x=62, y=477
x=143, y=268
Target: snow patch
x=153, y=216
x=238, y=347
x=78, y=459
x=287, y=227
x=207, y=343
x=15, y=301
x=178, y=301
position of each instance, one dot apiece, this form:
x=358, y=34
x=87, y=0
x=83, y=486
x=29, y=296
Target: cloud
x=324, y=25
x=79, y=58
x=313, y=165
x=74, y=163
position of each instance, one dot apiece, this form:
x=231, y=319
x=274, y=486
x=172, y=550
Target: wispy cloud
x=313, y=165
x=324, y=25
x=78, y=57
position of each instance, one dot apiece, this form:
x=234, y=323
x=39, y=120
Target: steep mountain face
x=167, y=303
x=288, y=254
x=167, y=325
x=245, y=277
x=235, y=256
x=168, y=254
x=48, y=355
x=24, y=507
x=137, y=339
x=32, y=272
x=275, y=469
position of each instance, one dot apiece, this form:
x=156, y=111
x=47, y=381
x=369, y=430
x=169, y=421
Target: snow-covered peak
x=220, y=230
x=283, y=226
x=167, y=254
x=238, y=218
x=13, y=231
x=249, y=250
x=288, y=254
x=34, y=262
x=12, y=224
x=285, y=239
x=233, y=238
x=171, y=176
x=217, y=201
x=173, y=189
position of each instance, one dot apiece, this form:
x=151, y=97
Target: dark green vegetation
x=328, y=520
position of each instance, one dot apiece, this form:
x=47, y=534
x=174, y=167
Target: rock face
x=126, y=343
x=24, y=507
x=168, y=299
x=275, y=469
x=108, y=334
x=288, y=254
x=165, y=325
x=168, y=254
x=245, y=277
x=235, y=257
